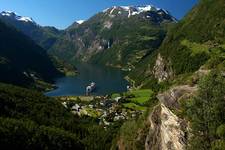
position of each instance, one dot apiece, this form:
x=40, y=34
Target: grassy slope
x=137, y=99
x=190, y=43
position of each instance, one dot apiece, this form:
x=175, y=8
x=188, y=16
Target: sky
x=62, y=13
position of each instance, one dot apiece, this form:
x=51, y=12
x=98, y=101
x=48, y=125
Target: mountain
x=188, y=74
x=196, y=41
x=23, y=62
x=80, y=21
x=119, y=36
x=14, y=16
x=75, y=25
x=43, y=36
x=185, y=73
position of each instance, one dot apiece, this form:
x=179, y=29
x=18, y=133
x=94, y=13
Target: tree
x=206, y=112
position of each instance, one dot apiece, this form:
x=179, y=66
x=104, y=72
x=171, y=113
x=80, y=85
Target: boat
x=90, y=88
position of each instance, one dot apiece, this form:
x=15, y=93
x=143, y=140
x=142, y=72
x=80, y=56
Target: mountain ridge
x=44, y=36
x=74, y=43
x=136, y=9
x=182, y=66
x=14, y=15
x=97, y=38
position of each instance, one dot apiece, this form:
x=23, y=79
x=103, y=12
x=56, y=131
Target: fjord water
x=108, y=80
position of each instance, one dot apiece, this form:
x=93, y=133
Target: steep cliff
x=167, y=131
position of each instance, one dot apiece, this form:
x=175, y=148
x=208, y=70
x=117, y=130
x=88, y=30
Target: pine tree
x=206, y=112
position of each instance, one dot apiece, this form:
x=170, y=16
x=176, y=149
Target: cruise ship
x=90, y=88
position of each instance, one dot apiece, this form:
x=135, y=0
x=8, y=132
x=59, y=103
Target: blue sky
x=62, y=13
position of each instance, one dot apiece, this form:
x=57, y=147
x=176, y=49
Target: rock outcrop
x=161, y=71
x=167, y=131
x=171, y=97
x=172, y=134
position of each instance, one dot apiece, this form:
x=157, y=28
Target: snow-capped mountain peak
x=145, y=8
x=8, y=13
x=80, y=21
x=25, y=19
x=17, y=17
x=134, y=10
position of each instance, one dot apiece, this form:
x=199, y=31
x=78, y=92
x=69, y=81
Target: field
x=140, y=96
x=134, y=106
x=136, y=99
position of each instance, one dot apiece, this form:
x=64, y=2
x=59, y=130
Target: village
x=110, y=108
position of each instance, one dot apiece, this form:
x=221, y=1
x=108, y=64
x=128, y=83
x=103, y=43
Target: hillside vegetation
x=178, y=98
x=22, y=60
x=196, y=40
x=205, y=111
x=114, y=38
x=31, y=120
x=43, y=36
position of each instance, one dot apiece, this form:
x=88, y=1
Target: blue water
x=108, y=80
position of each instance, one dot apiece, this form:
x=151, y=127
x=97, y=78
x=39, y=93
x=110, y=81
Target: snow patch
x=80, y=21
x=129, y=14
x=127, y=8
x=145, y=8
x=25, y=19
x=16, y=16
x=135, y=10
x=135, y=13
x=8, y=13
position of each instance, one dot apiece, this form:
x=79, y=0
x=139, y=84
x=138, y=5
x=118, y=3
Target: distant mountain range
x=180, y=63
x=128, y=37
x=44, y=36
x=12, y=15
x=118, y=36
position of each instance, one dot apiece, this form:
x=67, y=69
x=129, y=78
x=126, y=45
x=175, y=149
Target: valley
x=158, y=83
x=112, y=108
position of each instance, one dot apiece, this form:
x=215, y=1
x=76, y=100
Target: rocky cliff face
x=161, y=70
x=167, y=131
x=163, y=129
x=171, y=97
x=172, y=134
